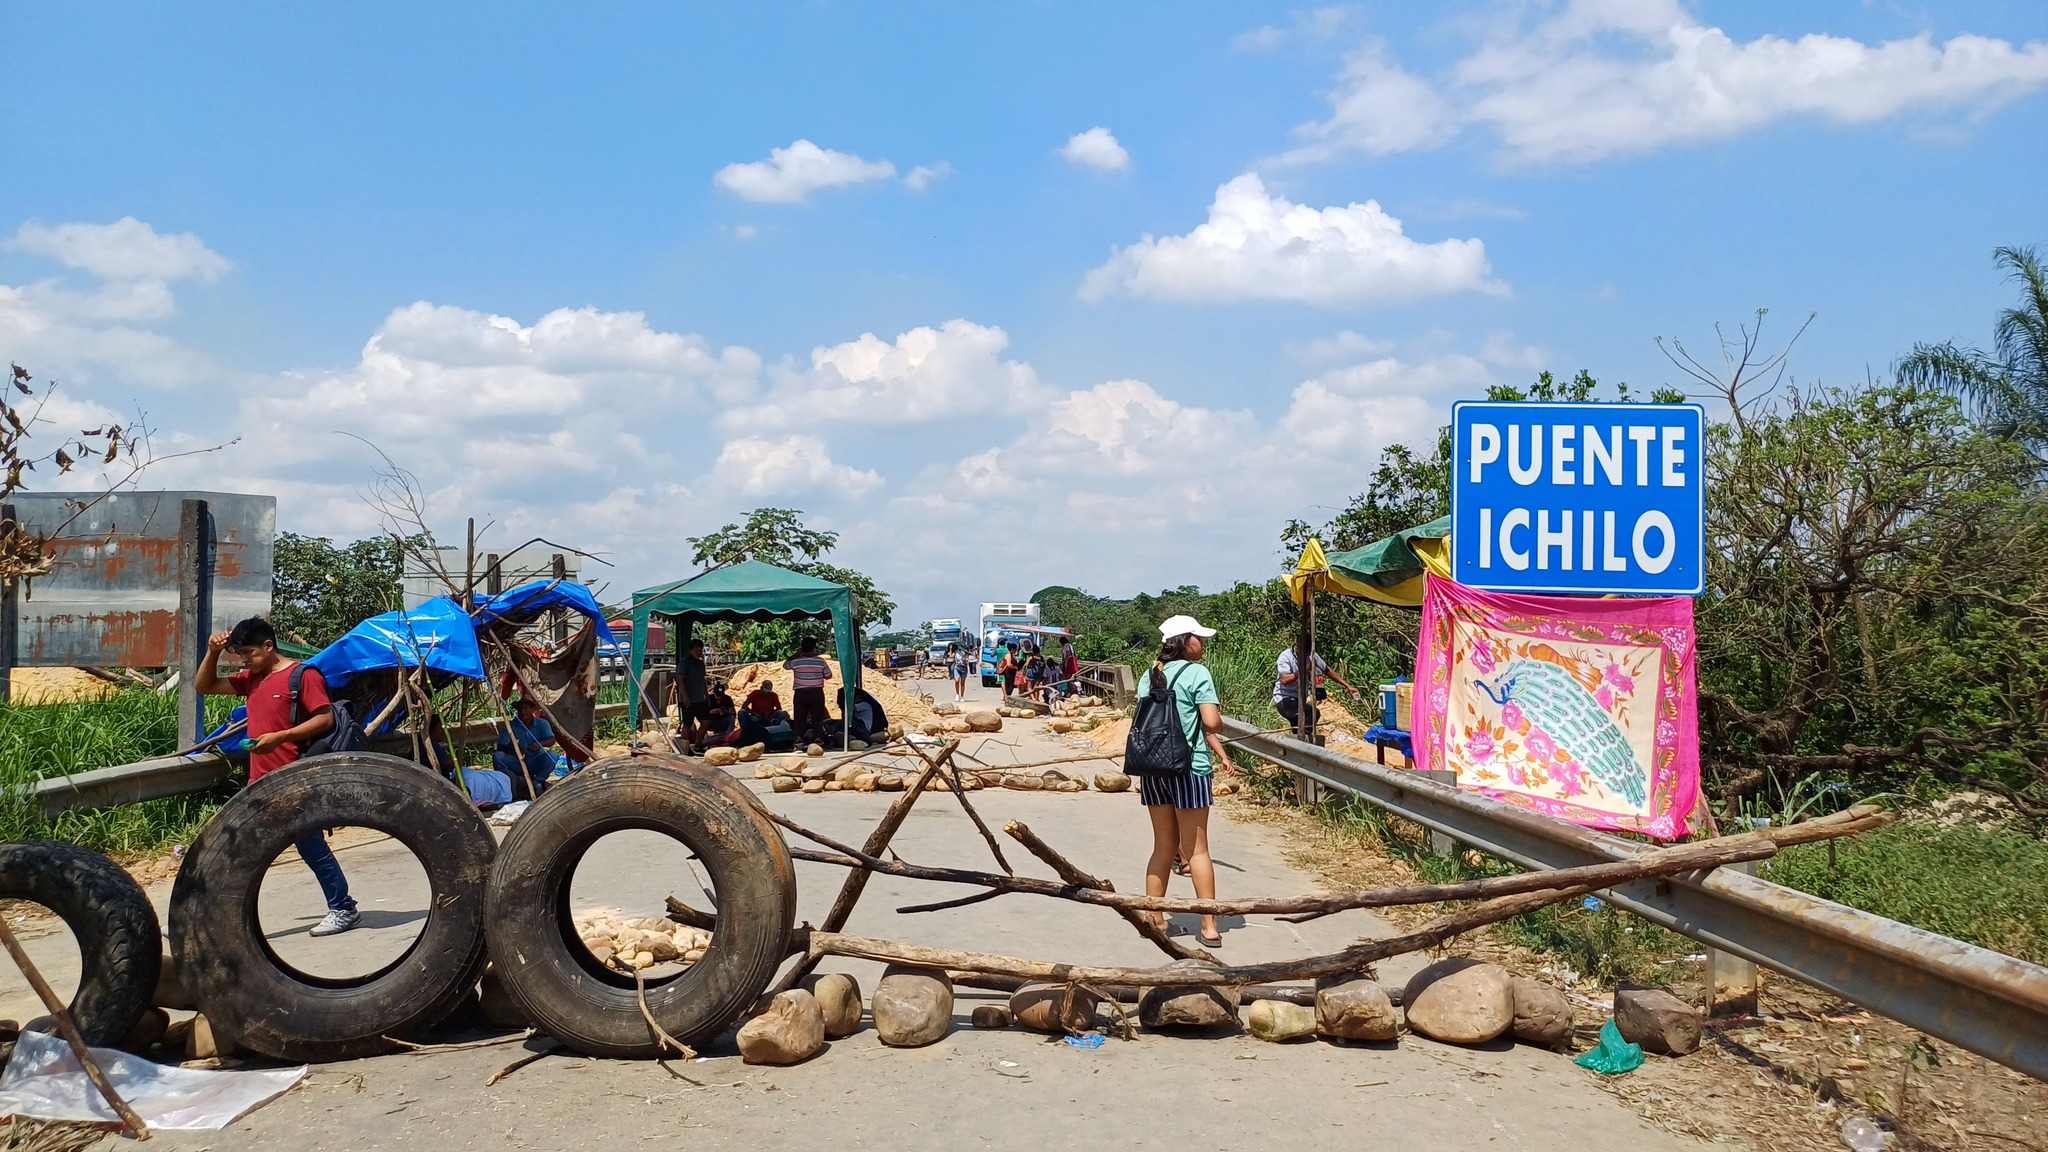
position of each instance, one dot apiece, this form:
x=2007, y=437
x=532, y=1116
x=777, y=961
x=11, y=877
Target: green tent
x=749, y=590
x=1389, y=570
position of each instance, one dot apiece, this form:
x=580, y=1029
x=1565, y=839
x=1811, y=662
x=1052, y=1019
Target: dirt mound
x=902, y=707
x=57, y=686
x=1112, y=735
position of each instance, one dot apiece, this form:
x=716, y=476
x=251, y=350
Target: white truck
x=945, y=633
x=995, y=617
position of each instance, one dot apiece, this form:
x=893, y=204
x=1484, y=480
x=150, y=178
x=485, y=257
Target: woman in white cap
x=1179, y=805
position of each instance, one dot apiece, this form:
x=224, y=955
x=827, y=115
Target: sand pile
x=57, y=686
x=902, y=707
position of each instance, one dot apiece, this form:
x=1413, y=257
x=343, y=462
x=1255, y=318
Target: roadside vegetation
x=1872, y=628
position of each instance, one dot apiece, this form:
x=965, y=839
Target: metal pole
x=469, y=570
x=560, y=631
x=195, y=614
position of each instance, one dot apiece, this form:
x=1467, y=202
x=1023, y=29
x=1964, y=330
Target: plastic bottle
x=1862, y=1134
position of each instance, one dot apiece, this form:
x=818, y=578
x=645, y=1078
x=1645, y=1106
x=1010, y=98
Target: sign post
x=1579, y=498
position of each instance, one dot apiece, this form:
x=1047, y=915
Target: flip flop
x=1208, y=943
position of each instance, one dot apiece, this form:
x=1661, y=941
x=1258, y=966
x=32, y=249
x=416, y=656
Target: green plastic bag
x=1614, y=1056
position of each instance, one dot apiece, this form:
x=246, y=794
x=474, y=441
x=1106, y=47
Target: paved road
x=974, y=1089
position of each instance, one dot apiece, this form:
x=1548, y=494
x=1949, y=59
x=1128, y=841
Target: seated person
x=720, y=714
x=869, y=721
x=523, y=748
x=763, y=703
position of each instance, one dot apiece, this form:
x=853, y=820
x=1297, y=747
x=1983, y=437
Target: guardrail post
x=1733, y=983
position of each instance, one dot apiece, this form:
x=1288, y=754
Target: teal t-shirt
x=1194, y=688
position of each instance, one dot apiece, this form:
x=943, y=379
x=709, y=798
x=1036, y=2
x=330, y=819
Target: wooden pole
x=61, y=1016
x=1694, y=857
x=857, y=880
x=1018, y=831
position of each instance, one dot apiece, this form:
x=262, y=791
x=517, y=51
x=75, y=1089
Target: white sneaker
x=336, y=922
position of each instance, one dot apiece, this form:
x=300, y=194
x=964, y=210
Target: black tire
x=555, y=979
x=120, y=947
x=231, y=971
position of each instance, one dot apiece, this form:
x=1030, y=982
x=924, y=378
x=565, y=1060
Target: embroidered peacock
x=1561, y=706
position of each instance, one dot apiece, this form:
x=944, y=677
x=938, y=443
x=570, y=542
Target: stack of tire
x=506, y=904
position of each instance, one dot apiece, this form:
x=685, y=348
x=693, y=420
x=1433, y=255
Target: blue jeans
x=320, y=858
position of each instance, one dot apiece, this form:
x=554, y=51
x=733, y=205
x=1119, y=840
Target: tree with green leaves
x=2009, y=385
x=780, y=537
x=319, y=590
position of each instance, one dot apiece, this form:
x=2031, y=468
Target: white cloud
x=84, y=333
x=1606, y=77
x=791, y=174
x=1259, y=246
x=127, y=249
x=1378, y=108
x=1309, y=25
x=922, y=176
x=1345, y=345
x=788, y=465
x=925, y=374
x=1096, y=148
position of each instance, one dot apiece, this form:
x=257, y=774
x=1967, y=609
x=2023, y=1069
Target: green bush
x=39, y=741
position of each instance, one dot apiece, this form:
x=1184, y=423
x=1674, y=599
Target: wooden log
x=1346, y=961
x=682, y=913
x=1699, y=856
x=857, y=880
x=61, y=1017
x=1131, y=993
x=1020, y=832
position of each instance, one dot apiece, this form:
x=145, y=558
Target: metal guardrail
x=164, y=776
x=1987, y=1002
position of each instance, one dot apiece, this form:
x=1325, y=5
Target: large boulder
x=1280, y=1020
x=1542, y=1014
x=838, y=997
x=1188, y=1005
x=1023, y=783
x=945, y=708
x=991, y=1016
x=1356, y=1010
x=786, y=784
x=721, y=756
x=847, y=773
x=912, y=1007
x=1460, y=1001
x=1112, y=782
x=984, y=722
x=889, y=782
x=790, y=1031
x=814, y=787
x=1037, y=1006
x=1657, y=1020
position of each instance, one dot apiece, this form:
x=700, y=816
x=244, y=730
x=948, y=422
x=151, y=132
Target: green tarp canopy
x=749, y=590
x=1388, y=570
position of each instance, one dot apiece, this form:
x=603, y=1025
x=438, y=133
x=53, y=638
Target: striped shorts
x=1184, y=791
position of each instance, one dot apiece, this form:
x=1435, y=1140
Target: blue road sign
x=1590, y=498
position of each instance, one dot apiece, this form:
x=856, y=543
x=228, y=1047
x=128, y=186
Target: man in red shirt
x=276, y=736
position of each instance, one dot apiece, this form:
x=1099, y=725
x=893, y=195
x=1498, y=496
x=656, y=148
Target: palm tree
x=2009, y=388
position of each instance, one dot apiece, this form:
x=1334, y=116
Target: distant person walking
x=809, y=672
x=1070, y=668
x=957, y=665
x=1179, y=805
x=279, y=727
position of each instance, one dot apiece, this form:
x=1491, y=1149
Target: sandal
x=1180, y=866
x=1207, y=942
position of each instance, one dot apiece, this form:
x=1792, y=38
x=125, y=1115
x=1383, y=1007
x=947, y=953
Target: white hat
x=1184, y=626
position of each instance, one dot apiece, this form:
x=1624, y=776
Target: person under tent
x=522, y=752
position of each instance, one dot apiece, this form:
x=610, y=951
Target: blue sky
x=616, y=274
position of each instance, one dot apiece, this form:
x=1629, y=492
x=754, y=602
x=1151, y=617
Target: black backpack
x=346, y=735
x=1158, y=745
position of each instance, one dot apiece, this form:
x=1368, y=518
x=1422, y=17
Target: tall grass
x=42, y=741
x=1982, y=885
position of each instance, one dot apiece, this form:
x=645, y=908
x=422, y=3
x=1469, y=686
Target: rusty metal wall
x=110, y=598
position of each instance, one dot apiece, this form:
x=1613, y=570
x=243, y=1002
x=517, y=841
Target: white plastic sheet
x=45, y=1082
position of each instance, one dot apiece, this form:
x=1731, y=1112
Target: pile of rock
x=630, y=945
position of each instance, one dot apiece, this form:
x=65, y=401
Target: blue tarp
x=528, y=602
x=437, y=633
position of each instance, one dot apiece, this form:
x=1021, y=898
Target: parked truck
x=945, y=633
x=1000, y=624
